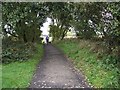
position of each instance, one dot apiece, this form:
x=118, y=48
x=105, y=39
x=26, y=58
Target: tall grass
x=19, y=74
x=0, y=77
x=89, y=59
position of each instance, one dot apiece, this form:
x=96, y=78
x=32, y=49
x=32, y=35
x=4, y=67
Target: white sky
x=45, y=29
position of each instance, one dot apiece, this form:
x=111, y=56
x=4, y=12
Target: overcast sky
x=45, y=29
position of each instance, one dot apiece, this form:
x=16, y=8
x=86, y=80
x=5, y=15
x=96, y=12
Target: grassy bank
x=19, y=74
x=89, y=57
x=0, y=77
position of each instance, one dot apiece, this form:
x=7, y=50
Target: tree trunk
x=33, y=39
x=63, y=34
x=24, y=38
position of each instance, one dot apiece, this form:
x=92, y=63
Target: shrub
x=16, y=51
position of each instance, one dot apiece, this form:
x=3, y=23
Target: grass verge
x=0, y=76
x=19, y=74
x=91, y=63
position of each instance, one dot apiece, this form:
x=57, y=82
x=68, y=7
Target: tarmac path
x=55, y=71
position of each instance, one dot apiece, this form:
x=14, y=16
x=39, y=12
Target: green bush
x=16, y=51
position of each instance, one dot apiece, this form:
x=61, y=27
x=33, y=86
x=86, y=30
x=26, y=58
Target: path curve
x=55, y=71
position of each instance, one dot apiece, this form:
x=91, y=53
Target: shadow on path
x=55, y=71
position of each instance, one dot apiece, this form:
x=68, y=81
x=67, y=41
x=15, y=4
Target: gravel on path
x=55, y=71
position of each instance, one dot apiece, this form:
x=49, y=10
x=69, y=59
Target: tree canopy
x=90, y=20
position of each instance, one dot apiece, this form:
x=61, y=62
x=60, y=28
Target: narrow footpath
x=55, y=71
